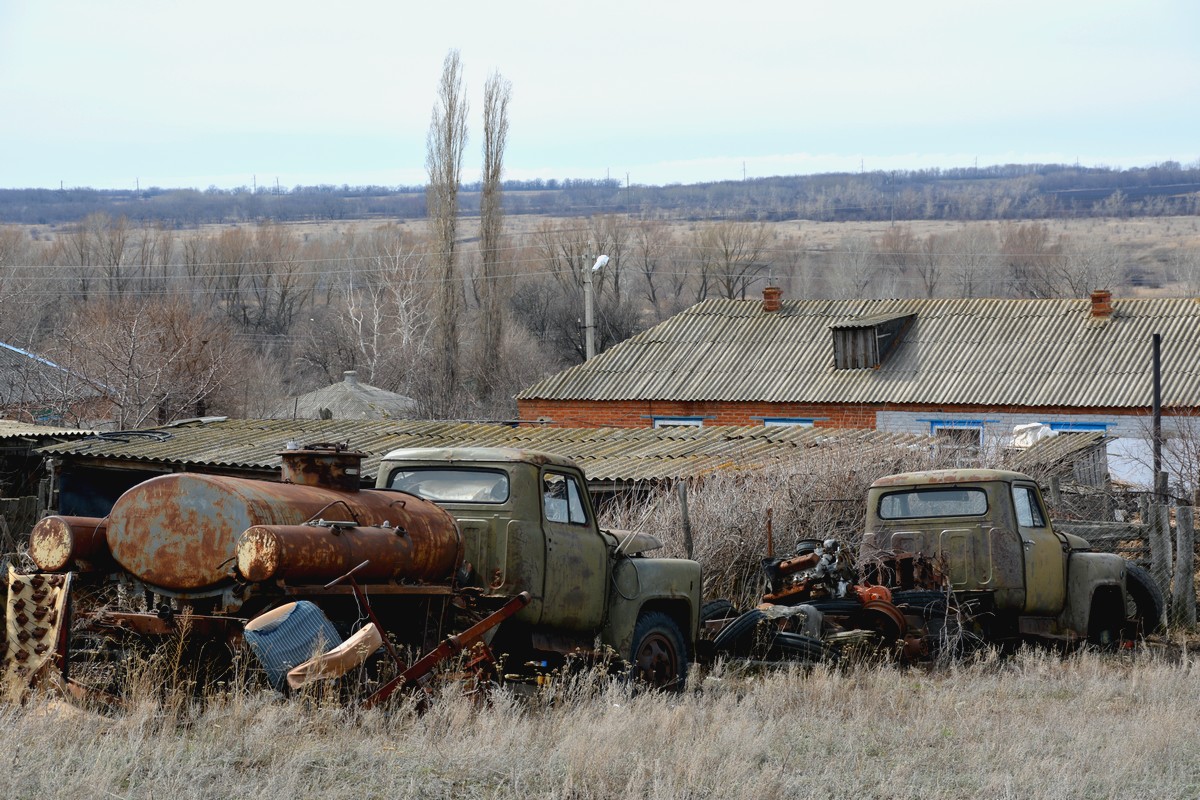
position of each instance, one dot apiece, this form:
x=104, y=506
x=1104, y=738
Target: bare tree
x=1031, y=254
x=492, y=287
x=970, y=253
x=650, y=254
x=1085, y=265
x=730, y=255
x=151, y=360
x=854, y=270
x=443, y=159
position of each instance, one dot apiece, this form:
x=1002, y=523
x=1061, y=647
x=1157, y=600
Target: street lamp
x=589, y=324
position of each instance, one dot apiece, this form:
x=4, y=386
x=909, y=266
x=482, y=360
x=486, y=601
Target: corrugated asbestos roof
x=606, y=454
x=11, y=429
x=348, y=399
x=1063, y=448
x=1027, y=353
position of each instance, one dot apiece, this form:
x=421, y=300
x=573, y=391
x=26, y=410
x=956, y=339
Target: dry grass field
x=1147, y=241
x=1033, y=725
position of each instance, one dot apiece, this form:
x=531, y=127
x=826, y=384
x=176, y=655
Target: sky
x=120, y=94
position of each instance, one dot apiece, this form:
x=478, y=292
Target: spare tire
x=738, y=636
x=926, y=602
x=798, y=647
x=1146, y=603
x=716, y=609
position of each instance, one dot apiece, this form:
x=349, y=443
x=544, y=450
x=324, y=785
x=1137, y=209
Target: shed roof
x=606, y=454
x=1023, y=353
x=12, y=429
x=27, y=378
x=348, y=399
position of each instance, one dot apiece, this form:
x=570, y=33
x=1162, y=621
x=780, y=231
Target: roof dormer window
x=865, y=343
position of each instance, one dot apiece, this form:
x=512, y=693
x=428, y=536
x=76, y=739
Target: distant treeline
x=1012, y=191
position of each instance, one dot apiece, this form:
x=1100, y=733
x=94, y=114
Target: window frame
x=926, y=490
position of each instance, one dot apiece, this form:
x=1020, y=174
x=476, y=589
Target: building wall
x=888, y=417
x=642, y=413
x=1129, y=456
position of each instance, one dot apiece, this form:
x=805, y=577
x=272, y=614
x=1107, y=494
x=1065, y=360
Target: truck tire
x=716, y=609
x=1145, y=598
x=925, y=602
x=737, y=638
x=798, y=647
x=660, y=657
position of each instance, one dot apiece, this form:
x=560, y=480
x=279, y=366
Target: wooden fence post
x=1183, y=592
x=681, y=487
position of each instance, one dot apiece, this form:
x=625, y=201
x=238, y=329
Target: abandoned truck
x=985, y=535
x=498, y=542
x=949, y=552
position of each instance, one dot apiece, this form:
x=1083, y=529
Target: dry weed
x=1030, y=726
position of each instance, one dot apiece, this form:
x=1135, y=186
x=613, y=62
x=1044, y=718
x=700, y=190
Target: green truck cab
x=985, y=535
x=528, y=524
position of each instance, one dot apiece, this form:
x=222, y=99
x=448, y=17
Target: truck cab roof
x=950, y=476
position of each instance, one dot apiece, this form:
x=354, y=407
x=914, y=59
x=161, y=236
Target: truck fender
x=642, y=585
x=1089, y=573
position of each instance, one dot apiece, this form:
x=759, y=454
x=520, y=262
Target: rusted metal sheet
x=59, y=543
x=315, y=554
x=35, y=631
x=449, y=647
x=180, y=532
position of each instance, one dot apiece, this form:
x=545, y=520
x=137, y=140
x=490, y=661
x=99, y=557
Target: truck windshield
x=452, y=485
x=918, y=503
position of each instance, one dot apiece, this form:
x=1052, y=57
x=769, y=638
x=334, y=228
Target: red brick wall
x=641, y=413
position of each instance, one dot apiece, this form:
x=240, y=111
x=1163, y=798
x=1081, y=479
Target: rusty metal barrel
x=180, y=532
x=60, y=543
x=317, y=554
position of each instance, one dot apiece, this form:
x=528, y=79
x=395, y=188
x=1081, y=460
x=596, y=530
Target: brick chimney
x=771, y=299
x=1101, y=304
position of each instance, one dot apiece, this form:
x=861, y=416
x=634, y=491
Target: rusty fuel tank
x=180, y=532
x=320, y=553
x=62, y=543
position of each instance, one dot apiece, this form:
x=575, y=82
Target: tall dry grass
x=1031, y=726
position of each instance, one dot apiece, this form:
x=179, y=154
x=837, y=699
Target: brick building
x=968, y=369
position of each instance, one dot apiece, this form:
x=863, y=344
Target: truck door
x=576, y=555
x=1045, y=563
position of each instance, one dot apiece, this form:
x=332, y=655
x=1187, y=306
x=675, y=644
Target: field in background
x=1148, y=242
x=1029, y=726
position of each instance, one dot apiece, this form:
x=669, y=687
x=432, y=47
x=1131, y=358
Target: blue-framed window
x=960, y=431
x=1073, y=427
x=678, y=422
x=778, y=422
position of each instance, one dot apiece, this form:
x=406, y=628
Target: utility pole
x=589, y=322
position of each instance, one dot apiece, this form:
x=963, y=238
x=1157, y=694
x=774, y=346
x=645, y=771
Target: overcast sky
x=121, y=93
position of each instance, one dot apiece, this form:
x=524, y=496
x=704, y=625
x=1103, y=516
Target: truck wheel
x=1145, y=598
x=659, y=652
